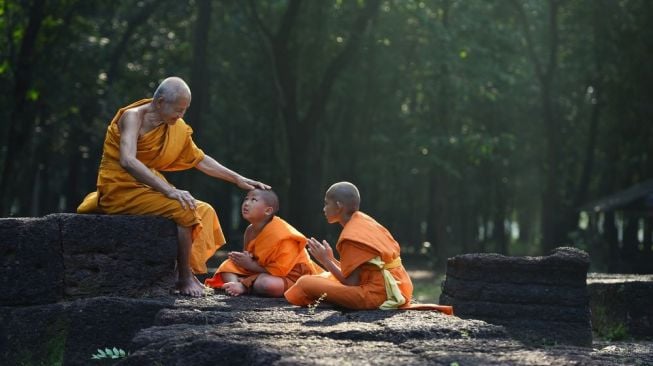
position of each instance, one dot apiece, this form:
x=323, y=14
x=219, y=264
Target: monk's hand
x=322, y=252
x=249, y=184
x=184, y=197
x=243, y=259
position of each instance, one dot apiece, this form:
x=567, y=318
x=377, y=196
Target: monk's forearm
x=211, y=167
x=254, y=267
x=257, y=268
x=334, y=269
x=141, y=173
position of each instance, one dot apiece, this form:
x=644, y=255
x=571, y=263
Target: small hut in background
x=621, y=230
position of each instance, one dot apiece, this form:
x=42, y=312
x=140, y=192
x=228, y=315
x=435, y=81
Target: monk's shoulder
x=249, y=231
x=131, y=117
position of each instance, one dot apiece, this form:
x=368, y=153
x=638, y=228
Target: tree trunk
x=302, y=132
x=21, y=124
x=437, y=226
x=199, y=82
x=612, y=239
x=553, y=213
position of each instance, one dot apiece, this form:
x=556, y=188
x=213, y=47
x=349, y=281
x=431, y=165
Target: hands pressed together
x=322, y=252
x=244, y=259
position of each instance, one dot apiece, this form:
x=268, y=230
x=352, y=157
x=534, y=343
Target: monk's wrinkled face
x=170, y=112
x=254, y=208
x=332, y=210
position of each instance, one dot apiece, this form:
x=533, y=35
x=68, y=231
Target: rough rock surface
x=622, y=304
x=538, y=299
x=259, y=331
x=57, y=271
x=116, y=255
x=31, y=263
x=69, y=332
x=68, y=256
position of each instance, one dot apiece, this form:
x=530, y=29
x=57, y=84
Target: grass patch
x=427, y=285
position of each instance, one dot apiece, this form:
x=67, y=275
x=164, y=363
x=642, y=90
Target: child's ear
x=268, y=211
x=338, y=204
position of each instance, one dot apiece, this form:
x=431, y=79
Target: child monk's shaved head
x=346, y=194
x=270, y=198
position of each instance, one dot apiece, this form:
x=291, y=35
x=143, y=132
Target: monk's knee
x=269, y=286
x=184, y=233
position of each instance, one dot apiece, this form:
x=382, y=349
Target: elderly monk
x=369, y=274
x=143, y=139
x=274, y=255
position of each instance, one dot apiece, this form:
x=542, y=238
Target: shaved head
x=346, y=194
x=270, y=198
x=171, y=89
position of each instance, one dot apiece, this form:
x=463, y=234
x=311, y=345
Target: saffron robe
x=280, y=249
x=366, y=244
x=165, y=148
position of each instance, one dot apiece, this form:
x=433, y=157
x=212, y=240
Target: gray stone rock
x=564, y=267
x=117, y=255
x=67, y=256
x=31, y=263
x=622, y=305
x=540, y=299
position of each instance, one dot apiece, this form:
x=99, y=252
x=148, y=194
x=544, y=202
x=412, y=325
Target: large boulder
x=55, y=272
x=539, y=299
x=622, y=305
x=117, y=255
x=69, y=256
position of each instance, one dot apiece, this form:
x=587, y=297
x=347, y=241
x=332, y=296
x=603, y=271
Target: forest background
x=469, y=126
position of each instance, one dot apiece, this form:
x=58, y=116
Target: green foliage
x=608, y=326
x=617, y=333
x=437, y=113
x=109, y=353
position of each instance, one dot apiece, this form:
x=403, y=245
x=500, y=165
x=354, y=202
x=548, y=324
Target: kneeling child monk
x=369, y=274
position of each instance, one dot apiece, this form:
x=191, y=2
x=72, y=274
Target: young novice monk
x=369, y=274
x=274, y=254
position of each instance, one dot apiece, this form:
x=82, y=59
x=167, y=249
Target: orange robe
x=280, y=249
x=362, y=241
x=165, y=148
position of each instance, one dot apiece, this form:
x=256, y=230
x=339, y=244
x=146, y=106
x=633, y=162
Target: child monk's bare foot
x=234, y=288
x=190, y=286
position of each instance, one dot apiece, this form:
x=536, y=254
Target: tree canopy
x=466, y=125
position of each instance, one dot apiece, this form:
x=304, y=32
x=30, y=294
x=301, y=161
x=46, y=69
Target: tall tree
x=302, y=128
x=20, y=122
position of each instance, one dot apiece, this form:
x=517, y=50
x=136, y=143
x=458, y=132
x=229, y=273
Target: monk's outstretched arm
x=323, y=253
x=130, y=125
x=210, y=166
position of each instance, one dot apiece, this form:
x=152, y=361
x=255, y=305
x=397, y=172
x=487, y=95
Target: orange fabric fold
x=165, y=148
x=445, y=309
x=279, y=248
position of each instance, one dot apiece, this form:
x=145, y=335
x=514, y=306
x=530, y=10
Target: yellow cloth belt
x=393, y=294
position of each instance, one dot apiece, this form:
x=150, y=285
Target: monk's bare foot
x=198, y=281
x=234, y=288
x=190, y=287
